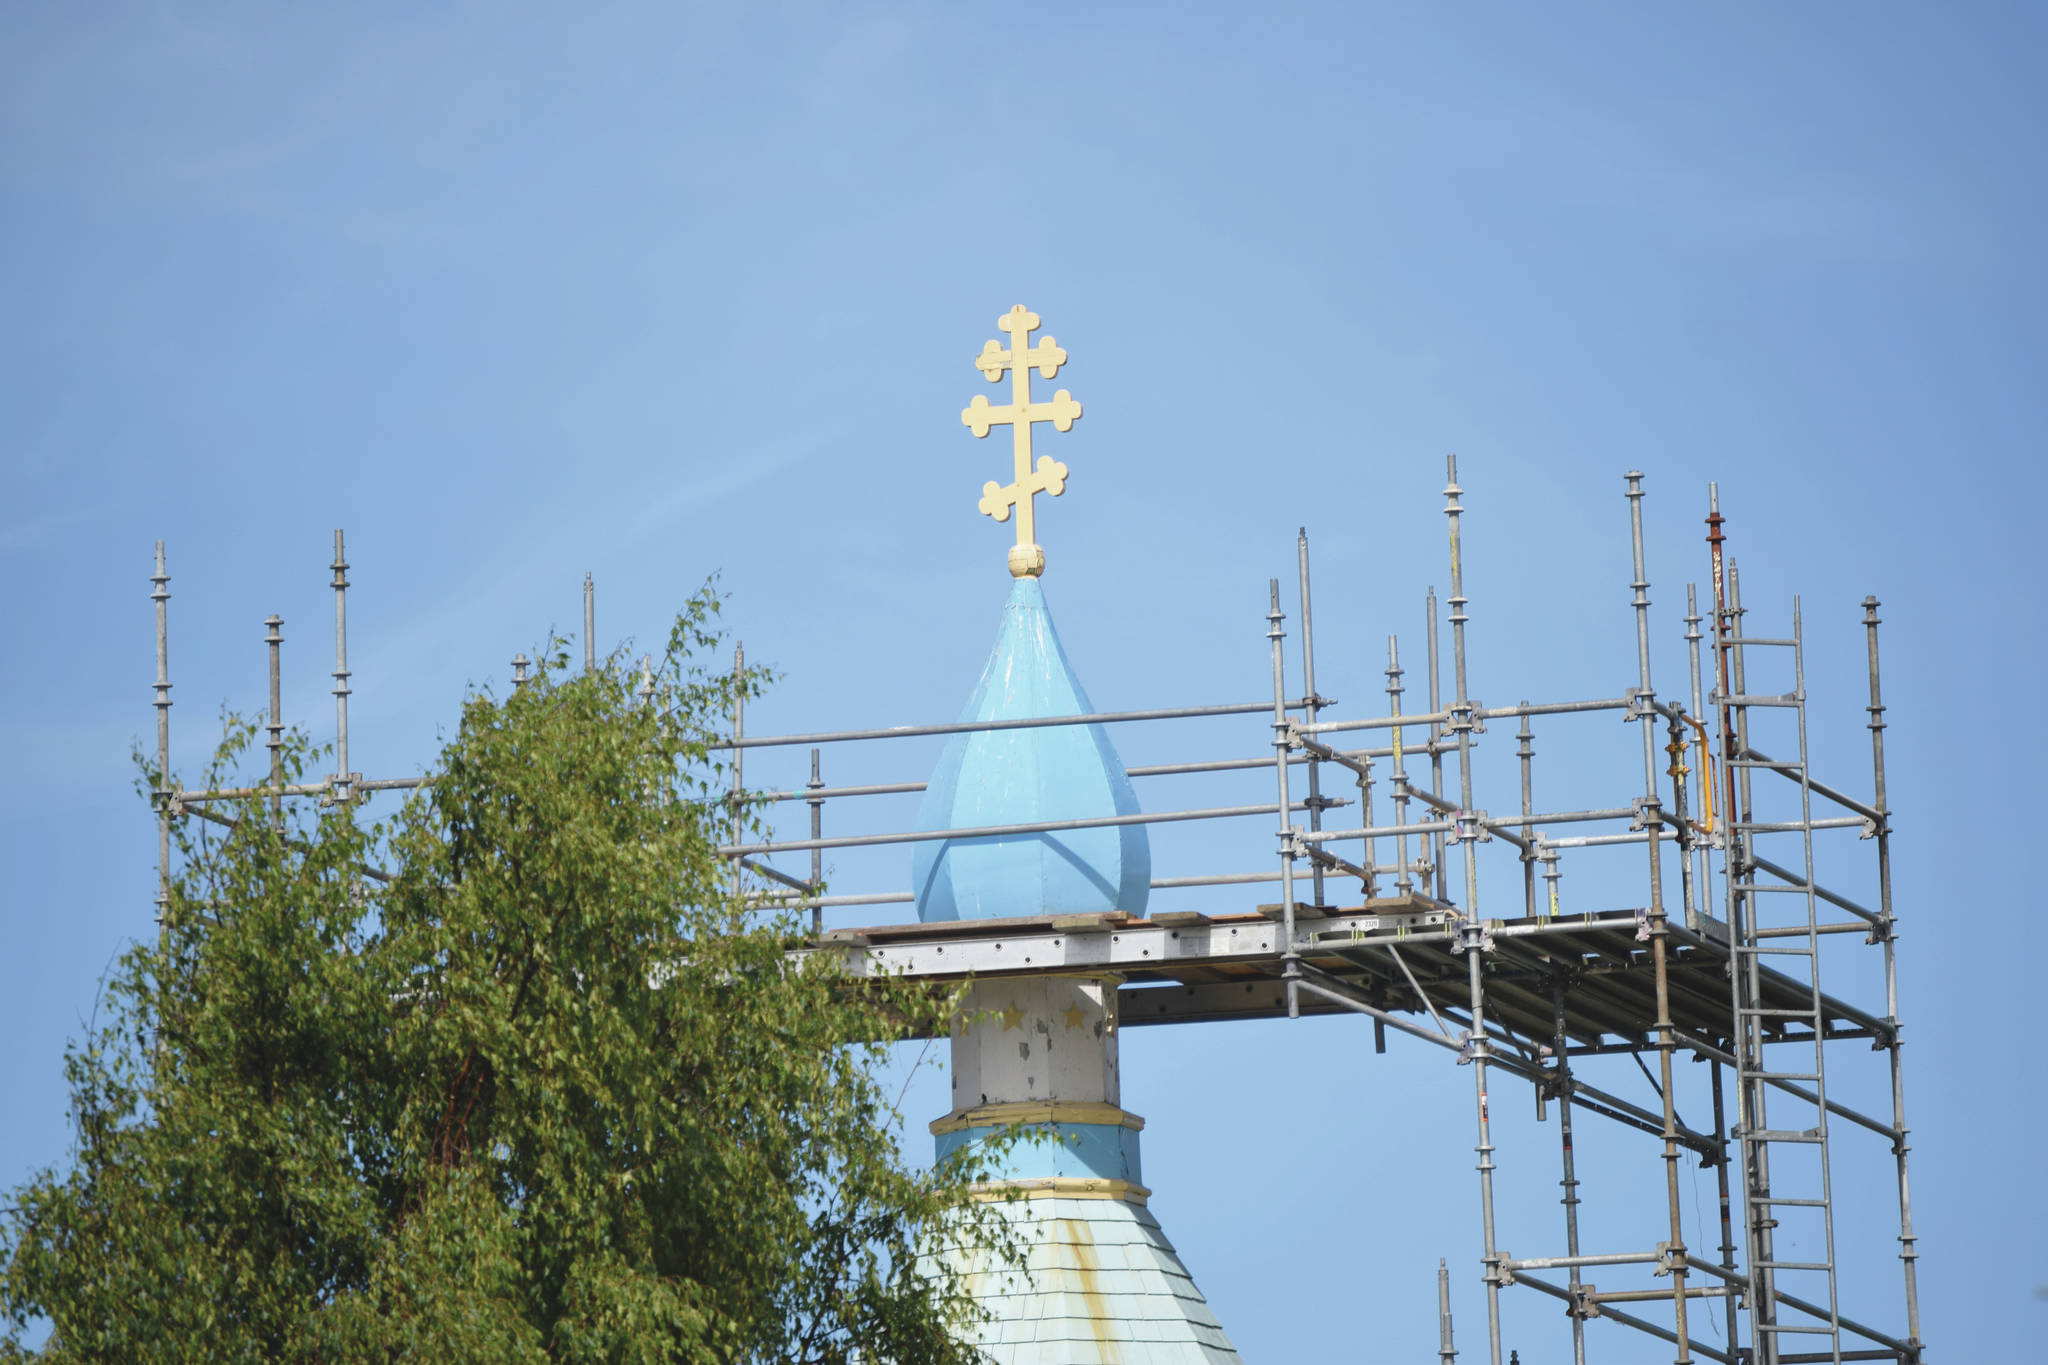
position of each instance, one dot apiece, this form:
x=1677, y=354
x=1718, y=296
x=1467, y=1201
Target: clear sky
x=660, y=291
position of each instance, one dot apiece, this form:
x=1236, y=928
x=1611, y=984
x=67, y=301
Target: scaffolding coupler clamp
x=341, y=788
x=1670, y=1259
x=1464, y=716
x=1648, y=811
x=1585, y=1302
x=1468, y=824
x=1472, y=933
x=1499, y=1270
x=1642, y=704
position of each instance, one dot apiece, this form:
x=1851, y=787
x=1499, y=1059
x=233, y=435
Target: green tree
x=515, y=1075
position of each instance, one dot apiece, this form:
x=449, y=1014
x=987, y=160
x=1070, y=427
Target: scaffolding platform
x=1401, y=955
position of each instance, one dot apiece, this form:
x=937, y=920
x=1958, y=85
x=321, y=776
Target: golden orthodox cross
x=1049, y=476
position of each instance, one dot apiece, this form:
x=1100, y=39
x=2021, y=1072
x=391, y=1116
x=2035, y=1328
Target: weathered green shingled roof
x=1104, y=1288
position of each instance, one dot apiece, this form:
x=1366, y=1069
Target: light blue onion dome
x=1009, y=777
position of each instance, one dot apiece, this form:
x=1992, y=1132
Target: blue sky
x=660, y=291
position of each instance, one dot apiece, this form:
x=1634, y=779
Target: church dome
x=1027, y=776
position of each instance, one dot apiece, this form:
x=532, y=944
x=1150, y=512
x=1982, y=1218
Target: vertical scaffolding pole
x=1436, y=751
x=589, y=624
x=160, y=594
x=1908, y=1251
x=1683, y=832
x=1472, y=932
x=1371, y=862
x=1525, y=750
x=341, y=785
x=817, y=805
x=1756, y=1239
x=1646, y=714
x=1473, y=936
x=1561, y=1042
x=1404, y=881
x=1692, y=641
x=1723, y=679
x=1314, y=706
x=1740, y=677
x=1469, y=830
x=1446, y=1351
x=274, y=637
x=1699, y=854
x=1290, y=968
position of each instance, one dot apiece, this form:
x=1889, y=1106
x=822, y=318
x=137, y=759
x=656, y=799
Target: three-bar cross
x=1049, y=476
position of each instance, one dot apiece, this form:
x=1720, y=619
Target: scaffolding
x=1720, y=963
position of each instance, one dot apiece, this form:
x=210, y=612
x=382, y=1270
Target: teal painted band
x=1106, y=1151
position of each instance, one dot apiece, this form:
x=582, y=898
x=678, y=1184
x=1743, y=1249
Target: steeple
x=1102, y=1284
x=1037, y=774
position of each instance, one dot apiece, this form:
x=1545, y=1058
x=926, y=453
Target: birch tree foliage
x=513, y=1074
